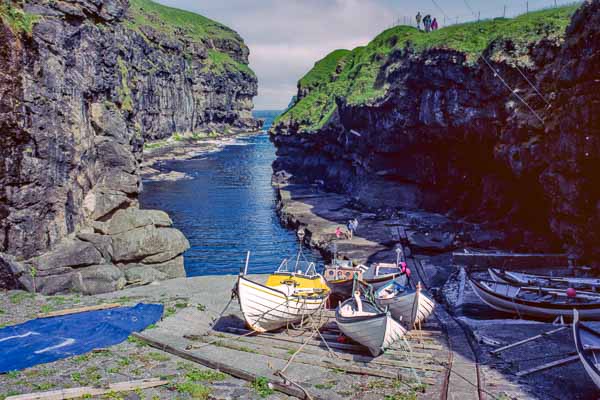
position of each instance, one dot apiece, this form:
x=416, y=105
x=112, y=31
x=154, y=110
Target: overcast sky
x=286, y=37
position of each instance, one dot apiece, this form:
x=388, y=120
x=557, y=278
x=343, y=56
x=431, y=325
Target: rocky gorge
x=494, y=122
x=83, y=84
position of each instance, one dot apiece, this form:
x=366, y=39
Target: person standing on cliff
x=350, y=227
x=419, y=18
x=434, y=25
x=427, y=23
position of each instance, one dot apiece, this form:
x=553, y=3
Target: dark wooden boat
x=537, y=302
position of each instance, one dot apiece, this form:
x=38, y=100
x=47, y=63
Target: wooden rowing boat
x=365, y=323
x=587, y=343
x=376, y=276
x=523, y=279
x=537, y=302
x=290, y=294
x=406, y=305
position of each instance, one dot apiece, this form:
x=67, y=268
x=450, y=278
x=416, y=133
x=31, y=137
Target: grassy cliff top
x=174, y=22
x=352, y=74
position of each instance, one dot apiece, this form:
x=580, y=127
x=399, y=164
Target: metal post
x=555, y=5
x=247, y=261
x=456, y=20
x=479, y=16
x=504, y=13
x=527, y=7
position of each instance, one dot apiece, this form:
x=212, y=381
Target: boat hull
x=376, y=332
x=588, y=364
x=410, y=308
x=267, y=309
x=509, y=304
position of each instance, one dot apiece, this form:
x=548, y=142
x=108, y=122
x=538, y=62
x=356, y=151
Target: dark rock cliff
x=449, y=136
x=80, y=91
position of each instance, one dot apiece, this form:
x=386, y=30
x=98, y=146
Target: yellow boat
x=292, y=293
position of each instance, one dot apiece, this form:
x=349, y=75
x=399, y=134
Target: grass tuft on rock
x=353, y=75
x=17, y=20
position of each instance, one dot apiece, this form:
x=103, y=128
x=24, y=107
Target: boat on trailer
x=407, y=305
x=524, y=279
x=365, y=323
x=292, y=293
x=537, y=302
x=587, y=343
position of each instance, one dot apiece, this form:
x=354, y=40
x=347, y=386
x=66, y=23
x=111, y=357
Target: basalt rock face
x=79, y=94
x=448, y=136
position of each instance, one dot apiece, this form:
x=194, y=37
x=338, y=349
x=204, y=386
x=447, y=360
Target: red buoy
x=571, y=292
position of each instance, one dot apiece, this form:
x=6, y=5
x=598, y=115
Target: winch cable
x=497, y=75
x=513, y=91
x=533, y=86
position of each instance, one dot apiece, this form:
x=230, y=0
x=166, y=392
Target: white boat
x=290, y=295
x=407, y=305
x=587, y=343
x=520, y=278
x=537, y=302
x=363, y=322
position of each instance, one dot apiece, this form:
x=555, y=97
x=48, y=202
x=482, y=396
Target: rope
x=513, y=91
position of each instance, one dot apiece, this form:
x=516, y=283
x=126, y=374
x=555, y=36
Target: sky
x=286, y=37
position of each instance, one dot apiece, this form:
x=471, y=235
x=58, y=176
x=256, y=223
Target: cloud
x=286, y=37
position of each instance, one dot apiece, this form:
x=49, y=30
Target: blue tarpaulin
x=44, y=340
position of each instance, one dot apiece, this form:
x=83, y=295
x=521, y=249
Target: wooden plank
x=73, y=393
x=387, y=359
x=329, y=364
x=335, y=345
x=228, y=369
x=383, y=360
x=521, y=342
x=79, y=310
x=510, y=261
x=549, y=365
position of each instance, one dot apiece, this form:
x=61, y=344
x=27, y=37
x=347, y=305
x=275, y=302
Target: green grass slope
x=174, y=22
x=353, y=74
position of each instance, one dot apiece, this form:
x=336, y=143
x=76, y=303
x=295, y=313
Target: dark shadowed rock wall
x=448, y=136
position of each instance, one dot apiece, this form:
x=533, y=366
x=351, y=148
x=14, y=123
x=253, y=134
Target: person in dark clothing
x=434, y=25
x=427, y=23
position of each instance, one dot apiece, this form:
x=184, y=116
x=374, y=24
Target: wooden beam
x=521, y=342
x=549, y=365
x=510, y=261
x=69, y=311
x=228, y=369
x=73, y=393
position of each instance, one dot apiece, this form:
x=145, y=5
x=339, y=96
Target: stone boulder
x=97, y=279
x=69, y=254
x=133, y=218
x=143, y=275
x=148, y=241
